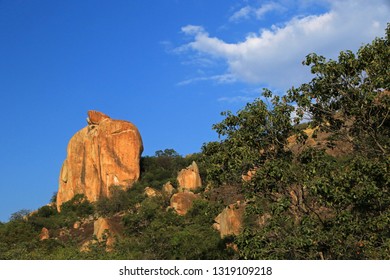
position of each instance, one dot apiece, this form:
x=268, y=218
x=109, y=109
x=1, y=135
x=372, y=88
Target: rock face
x=105, y=153
x=318, y=139
x=101, y=227
x=189, y=177
x=229, y=221
x=182, y=202
x=150, y=192
x=103, y=232
x=44, y=234
x=168, y=189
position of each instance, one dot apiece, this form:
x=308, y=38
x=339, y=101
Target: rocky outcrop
x=189, y=177
x=95, y=117
x=103, y=231
x=76, y=225
x=44, y=234
x=229, y=221
x=100, y=228
x=320, y=140
x=249, y=175
x=150, y=192
x=105, y=153
x=168, y=189
x=182, y=202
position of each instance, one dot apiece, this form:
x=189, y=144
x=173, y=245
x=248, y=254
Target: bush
x=78, y=205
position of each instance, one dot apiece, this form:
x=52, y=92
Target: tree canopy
x=321, y=205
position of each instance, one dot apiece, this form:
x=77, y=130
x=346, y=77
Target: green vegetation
x=147, y=229
x=315, y=202
x=163, y=167
x=321, y=206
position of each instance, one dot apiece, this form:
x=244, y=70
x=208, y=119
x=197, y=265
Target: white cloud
x=242, y=13
x=264, y=9
x=273, y=56
x=219, y=79
x=257, y=12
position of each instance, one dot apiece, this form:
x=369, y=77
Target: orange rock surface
x=168, y=189
x=107, y=152
x=150, y=192
x=182, y=202
x=44, y=234
x=189, y=177
x=229, y=221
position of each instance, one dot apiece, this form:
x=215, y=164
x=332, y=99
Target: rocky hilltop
x=106, y=152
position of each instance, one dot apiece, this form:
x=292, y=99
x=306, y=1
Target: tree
x=163, y=167
x=313, y=205
x=167, y=153
x=350, y=97
x=255, y=135
x=19, y=215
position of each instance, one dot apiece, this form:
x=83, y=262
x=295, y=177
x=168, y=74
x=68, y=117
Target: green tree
x=163, y=167
x=19, y=215
x=350, y=97
x=313, y=205
x=253, y=136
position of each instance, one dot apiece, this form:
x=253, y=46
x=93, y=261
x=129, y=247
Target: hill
x=272, y=187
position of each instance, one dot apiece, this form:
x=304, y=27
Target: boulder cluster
x=107, y=153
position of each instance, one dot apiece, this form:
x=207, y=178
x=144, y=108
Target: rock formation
x=229, y=221
x=319, y=139
x=102, y=230
x=182, y=202
x=44, y=234
x=168, y=189
x=189, y=177
x=150, y=192
x=105, y=153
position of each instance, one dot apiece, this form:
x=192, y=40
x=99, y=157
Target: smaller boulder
x=249, y=175
x=229, y=221
x=44, y=234
x=150, y=192
x=182, y=202
x=100, y=227
x=168, y=189
x=77, y=225
x=102, y=230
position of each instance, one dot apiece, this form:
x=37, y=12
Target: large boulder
x=183, y=201
x=106, y=152
x=189, y=178
x=230, y=220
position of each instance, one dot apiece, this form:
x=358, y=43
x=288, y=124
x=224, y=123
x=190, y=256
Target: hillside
x=275, y=186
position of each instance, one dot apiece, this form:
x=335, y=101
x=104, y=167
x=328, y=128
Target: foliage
x=120, y=200
x=161, y=234
x=163, y=167
x=78, y=205
x=313, y=205
x=350, y=97
x=305, y=204
x=19, y=215
x=256, y=134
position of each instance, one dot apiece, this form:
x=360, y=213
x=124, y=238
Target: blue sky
x=170, y=67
